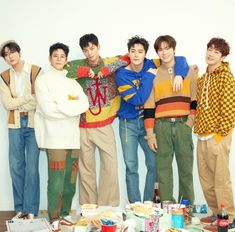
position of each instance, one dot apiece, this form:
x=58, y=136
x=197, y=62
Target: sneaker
x=212, y=228
x=18, y=216
x=29, y=216
x=231, y=226
x=208, y=220
x=55, y=226
x=67, y=221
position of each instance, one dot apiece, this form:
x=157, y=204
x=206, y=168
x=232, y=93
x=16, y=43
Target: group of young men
x=157, y=101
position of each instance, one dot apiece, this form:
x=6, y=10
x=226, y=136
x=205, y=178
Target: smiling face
x=91, y=52
x=166, y=53
x=214, y=57
x=58, y=59
x=137, y=55
x=11, y=56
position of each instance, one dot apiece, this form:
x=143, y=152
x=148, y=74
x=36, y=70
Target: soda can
x=152, y=224
x=166, y=205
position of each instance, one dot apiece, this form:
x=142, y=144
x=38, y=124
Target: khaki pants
x=213, y=168
x=107, y=191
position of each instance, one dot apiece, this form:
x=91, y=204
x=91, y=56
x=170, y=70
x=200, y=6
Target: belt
x=176, y=119
x=23, y=113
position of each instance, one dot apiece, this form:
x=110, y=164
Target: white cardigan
x=57, y=117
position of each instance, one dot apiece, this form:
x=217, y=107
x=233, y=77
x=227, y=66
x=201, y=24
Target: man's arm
x=133, y=92
x=149, y=119
x=114, y=66
x=10, y=102
x=193, y=93
x=227, y=93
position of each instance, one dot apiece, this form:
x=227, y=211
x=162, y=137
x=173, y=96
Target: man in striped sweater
x=171, y=115
x=134, y=83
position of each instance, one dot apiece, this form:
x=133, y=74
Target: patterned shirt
x=216, y=102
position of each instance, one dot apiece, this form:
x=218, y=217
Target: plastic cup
x=108, y=228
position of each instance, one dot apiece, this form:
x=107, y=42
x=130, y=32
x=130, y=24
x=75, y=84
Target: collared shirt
x=21, y=80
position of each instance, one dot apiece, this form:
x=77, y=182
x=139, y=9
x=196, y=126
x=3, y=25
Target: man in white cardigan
x=60, y=102
x=17, y=95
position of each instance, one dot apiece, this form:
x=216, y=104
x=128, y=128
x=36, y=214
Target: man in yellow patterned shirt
x=215, y=120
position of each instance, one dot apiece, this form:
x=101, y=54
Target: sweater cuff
x=105, y=71
x=83, y=71
x=126, y=58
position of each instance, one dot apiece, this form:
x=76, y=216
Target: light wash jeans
x=132, y=134
x=23, y=160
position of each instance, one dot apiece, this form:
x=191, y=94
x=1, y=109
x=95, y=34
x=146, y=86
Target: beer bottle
x=156, y=197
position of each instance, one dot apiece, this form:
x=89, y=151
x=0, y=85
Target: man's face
x=12, y=57
x=91, y=52
x=213, y=56
x=137, y=54
x=165, y=53
x=58, y=59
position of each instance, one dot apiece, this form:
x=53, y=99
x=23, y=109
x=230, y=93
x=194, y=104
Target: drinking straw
x=181, y=198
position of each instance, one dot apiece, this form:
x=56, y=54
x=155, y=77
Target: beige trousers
x=107, y=190
x=213, y=168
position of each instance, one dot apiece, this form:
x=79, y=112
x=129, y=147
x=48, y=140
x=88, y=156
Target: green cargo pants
x=174, y=137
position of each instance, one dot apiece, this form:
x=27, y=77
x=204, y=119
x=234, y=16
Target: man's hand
x=153, y=71
x=195, y=69
x=153, y=145
x=100, y=75
x=91, y=73
x=152, y=141
x=177, y=83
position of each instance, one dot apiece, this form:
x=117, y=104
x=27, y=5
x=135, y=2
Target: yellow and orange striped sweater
x=164, y=103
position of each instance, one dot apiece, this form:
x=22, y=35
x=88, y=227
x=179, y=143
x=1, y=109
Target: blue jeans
x=23, y=160
x=132, y=134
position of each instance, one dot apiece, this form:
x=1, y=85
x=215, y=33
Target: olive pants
x=174, y=137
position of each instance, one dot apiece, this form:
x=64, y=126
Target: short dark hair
x=56, y=46
x=88, y=38
x=164, y=38
x=138, y=40
x=220, y=45
x=13, y=47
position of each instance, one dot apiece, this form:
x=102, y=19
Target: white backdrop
x=35, y=25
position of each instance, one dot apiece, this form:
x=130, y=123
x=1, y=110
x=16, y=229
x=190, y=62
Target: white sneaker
x=18, y=216
x=29, y=216
x=55, y=226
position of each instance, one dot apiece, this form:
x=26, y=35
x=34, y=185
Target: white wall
x=35, y=25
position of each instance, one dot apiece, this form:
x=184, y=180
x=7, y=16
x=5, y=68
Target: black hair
x=13, y=47
x=56, y=46
x=88, y=38
x=138, y=40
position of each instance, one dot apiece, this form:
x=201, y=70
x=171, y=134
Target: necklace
x=170, y=73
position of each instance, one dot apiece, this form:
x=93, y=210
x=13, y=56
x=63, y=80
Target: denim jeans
x=132, y=134
x=23, y=160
